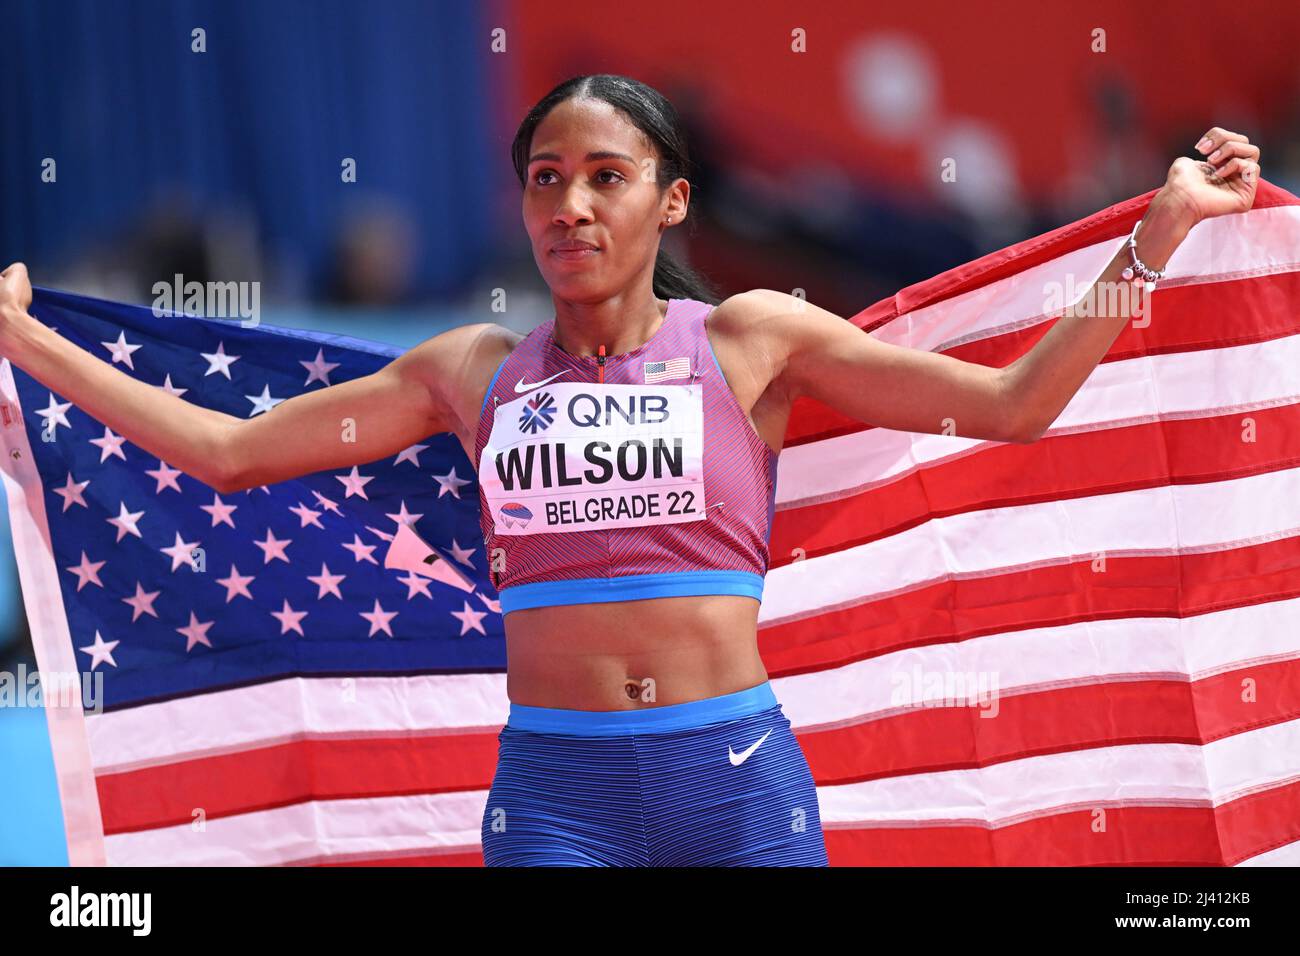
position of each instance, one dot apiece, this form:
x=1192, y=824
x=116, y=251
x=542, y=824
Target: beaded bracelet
x=1138, y=271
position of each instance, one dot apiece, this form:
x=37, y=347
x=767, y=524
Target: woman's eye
x=547, y=172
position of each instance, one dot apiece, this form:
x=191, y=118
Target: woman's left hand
x=1224, y=182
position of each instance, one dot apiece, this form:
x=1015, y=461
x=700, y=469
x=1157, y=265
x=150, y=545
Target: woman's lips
x=574, y=254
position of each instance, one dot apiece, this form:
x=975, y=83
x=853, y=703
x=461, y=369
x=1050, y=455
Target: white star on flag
x=220, y=511
x=110, y=444
x=121, y=352
x=327, y=582
x=166, y=476
x=71, y=492
x=87, y=571
x=470, y=618
x=411, y=454
x=273, y=547
x=142, y=602
x=264, y=402
x=450, y=482
x=100, y=651
x=355, y=483
x=195, y=632
x=319, y=369
x=167, y=386
x=55, y=412
x=125, y=521
x=379, y=620
x=219, y=361
x=236, y=584
x=289, y=618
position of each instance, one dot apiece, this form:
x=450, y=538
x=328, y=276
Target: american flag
x=1101, y=628
x=267, y=669
x=663, y=371
x=1079, y=651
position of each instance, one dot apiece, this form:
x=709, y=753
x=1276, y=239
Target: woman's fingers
x=1215, y=138
x=1234, y=165
x=1247, y=167
x=15, y=287
x=13, y=275
x=1230, y=149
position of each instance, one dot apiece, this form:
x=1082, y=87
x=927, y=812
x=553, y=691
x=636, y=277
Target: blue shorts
x=714, y=782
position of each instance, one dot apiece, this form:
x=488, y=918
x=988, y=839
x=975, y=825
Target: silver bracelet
x=1138, y=271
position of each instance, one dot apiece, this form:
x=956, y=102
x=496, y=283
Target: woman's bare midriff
x=630, y=655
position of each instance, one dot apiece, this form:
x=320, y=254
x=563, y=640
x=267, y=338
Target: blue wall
x=111, y=90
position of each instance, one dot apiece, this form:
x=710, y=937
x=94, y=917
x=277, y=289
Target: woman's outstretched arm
x=1042, y=381
x=334, y=427
x=816, y=353
x=180, y=433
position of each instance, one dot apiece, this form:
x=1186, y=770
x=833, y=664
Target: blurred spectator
x=174, y=236
x=373, y=255
x=1113, y=157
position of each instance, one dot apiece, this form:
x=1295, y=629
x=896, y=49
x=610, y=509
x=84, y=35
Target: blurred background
x=818, y=170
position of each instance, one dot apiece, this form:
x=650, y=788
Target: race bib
x=586, y=456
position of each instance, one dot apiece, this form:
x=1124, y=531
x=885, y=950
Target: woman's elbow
x=1028, y=430
x=225, y=474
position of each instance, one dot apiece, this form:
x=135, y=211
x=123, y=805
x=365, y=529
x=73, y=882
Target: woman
x=626, y=453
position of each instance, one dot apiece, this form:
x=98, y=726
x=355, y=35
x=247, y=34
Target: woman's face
x=610, y=200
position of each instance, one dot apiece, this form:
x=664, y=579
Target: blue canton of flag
x=169, y=588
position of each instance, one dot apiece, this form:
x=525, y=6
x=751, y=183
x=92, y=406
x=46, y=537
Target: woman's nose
x=573, y=208
x=569, y=215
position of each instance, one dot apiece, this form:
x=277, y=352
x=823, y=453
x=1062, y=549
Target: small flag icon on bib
x=662, y=371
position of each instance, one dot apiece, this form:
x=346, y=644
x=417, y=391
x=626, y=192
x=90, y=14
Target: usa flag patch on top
x=662, y=371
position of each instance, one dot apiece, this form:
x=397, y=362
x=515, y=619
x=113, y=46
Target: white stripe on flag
x=1205, y=382
x=1162, y=520
x=306, y=832
x=1088, y=652
x=1123, y=775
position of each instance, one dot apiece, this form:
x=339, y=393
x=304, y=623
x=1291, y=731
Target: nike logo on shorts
x=738, y=758
x=521, y=387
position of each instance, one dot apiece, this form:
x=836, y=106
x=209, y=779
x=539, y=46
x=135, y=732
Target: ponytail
x=672, y=280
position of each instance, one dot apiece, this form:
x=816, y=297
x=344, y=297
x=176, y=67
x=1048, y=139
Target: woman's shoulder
x=739, y=313
x=749, y=350
x=459, y=364
x=742, y=324
x=468, y=351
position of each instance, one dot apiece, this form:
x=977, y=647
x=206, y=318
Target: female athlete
x=626, y=453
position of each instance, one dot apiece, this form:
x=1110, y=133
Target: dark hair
x=652, y=113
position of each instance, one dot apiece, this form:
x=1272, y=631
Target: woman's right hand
x=15, y=291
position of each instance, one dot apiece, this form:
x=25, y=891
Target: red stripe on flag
x=1189, y=318
x=1133, y=836
x=919, y=740
x=267, y=777
x=1177, y=585
x=1057, y=467
x=1104, y=713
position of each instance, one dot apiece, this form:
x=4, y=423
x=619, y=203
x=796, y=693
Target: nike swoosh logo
x=521, y=387
x=738, y=758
